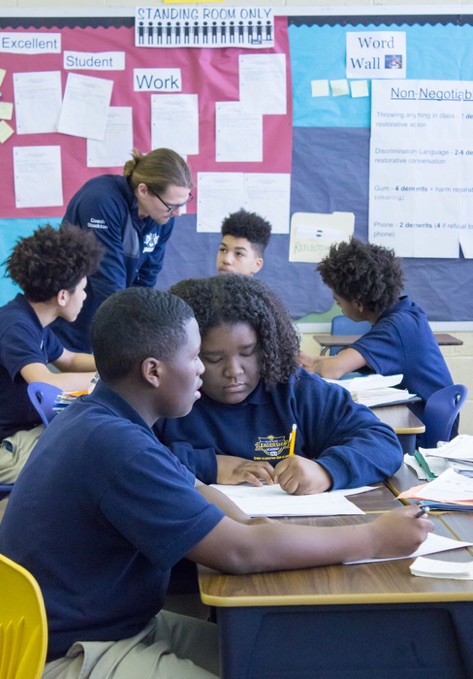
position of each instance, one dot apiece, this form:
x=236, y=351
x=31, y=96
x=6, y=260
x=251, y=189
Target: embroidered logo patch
x=273, y=446
x=150, y=242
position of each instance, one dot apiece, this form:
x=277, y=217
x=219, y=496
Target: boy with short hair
x=245, y=236
x=103, y=560
x=367, y=281
x=51, y=267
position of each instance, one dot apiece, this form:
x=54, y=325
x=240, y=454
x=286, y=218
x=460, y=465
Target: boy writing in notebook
x=367, y=282
x=245, y=236
x=51, y=268
x=254, y=391
x=103, y=560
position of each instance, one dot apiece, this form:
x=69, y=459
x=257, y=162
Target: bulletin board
x=323, y=142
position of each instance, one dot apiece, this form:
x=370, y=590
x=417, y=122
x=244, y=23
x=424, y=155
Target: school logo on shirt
x=150, y=242
x=272, y=446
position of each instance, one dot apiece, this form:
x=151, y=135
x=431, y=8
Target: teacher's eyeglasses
x=171, y=208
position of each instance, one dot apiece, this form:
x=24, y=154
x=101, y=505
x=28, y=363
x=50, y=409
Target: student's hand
x=306, y=360
x=299, y=476
x=233, y=470
x=399, y=533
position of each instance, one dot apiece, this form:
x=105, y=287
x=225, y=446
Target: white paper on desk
x=435, y=568
x=85, y=106
x=368, y=382
x=459, y=448
x=274, y=501
x=433, y=544
x=450, y=486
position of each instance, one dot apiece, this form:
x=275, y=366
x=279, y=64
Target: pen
x=292, y=440
x=422, y=510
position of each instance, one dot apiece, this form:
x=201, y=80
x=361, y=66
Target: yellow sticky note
x=5, y=131
x=320, y=88
x=6, y=110
x=339, y=87
x=2, y=74
x=359, y=88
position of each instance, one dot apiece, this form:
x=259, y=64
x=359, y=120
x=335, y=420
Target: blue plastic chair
x=342, y=325
x=440, y=413
x=43, y=397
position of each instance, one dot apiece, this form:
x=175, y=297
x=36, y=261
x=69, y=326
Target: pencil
x=292, y=440
x=422, y=510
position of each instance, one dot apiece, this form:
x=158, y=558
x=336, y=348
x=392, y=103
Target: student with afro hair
x=51, y=268
x=367, y=283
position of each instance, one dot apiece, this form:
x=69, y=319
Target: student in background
x=133, y=217
x=103, y=561
x=367, y=281
x=51, y=267
x=253, y=392
x=245, y=236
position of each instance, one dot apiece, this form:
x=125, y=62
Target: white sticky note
x=320, y=88
x=2, y=75
x=339, y=87
x=6, y=110
x=359, y=88
x=5, y=131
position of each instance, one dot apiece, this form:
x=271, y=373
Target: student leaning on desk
x=101, y=543
x=51, y=267
x=254, y=391
x=367, y=281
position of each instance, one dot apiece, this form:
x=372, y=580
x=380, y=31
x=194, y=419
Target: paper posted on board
x=312, y=234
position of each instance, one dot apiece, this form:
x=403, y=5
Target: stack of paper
x=375, y=390
x=67, y=397
x=431, y=568
x=453, y=489
x=459, y=448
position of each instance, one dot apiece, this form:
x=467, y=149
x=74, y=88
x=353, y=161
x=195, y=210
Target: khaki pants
x=15, y=450
x=171, y=646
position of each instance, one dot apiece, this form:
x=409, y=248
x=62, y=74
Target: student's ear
x=151, y=369
x=62, y=298
x=258, y=264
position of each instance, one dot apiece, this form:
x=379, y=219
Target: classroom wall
x=459, y=359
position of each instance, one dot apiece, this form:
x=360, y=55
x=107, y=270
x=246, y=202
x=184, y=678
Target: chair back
x=43, y=397
x=342, y=325
x=23, y=624
x=440, y=413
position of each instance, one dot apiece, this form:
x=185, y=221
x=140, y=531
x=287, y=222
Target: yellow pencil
x=292, y=439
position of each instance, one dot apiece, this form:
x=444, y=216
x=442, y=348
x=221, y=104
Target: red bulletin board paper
x=212, y=73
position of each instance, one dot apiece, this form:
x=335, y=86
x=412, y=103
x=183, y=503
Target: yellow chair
x=23, y=624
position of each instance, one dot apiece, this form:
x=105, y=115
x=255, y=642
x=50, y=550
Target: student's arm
x=344, y=438
x=67, y=381
x=239, y=548
x=74, y=362
x=348, y=360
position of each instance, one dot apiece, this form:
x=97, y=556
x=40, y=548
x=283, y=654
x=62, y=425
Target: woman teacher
x=133, y=217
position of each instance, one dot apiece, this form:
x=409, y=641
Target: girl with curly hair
x=254, y=391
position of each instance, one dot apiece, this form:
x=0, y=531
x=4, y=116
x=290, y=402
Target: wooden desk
x=327, y=341
x=405, y=424
x=343, y=622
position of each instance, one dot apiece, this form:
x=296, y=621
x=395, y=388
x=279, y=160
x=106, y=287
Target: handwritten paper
x=433, y=544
